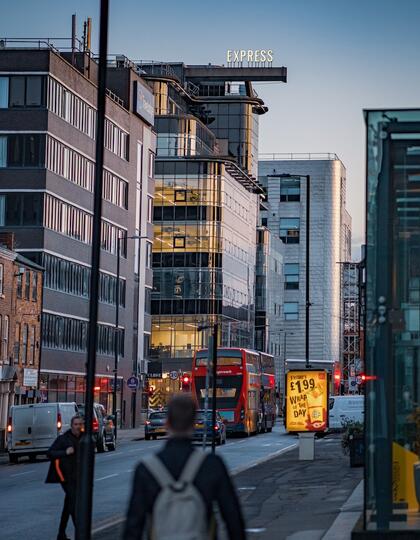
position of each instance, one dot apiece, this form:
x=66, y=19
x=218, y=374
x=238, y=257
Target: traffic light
x=150, y=390
x=186, y=382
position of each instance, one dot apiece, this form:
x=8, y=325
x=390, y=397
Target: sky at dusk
x=342, y=56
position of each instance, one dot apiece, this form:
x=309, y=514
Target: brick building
x=20, y=328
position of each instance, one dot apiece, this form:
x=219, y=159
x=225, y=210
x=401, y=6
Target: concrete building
x=20, y=329
x=206, y=209
x=47, y=160
x=330, y=241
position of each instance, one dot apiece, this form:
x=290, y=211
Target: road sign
x=173, y=375
x=133, y=382
x=306, y=400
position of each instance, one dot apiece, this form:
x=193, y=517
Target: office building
x=269, y=298
x=20, y=329
x=205, y=209
x=47, y=162
x=284, y=179
x=392, y=480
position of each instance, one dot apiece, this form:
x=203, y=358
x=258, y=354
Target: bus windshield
x=222, y=360
x=227, y=391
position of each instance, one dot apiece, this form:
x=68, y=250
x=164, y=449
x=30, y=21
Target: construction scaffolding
x=351, y=317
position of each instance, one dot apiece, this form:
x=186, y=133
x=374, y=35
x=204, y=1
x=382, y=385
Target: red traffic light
x=186, y=379
x=337, y=377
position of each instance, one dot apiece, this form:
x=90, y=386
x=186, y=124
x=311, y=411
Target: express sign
x=257, y=56
x=306, y=400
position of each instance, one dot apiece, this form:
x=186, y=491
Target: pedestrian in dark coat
x=63, y=470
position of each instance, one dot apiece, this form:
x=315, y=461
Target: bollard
x=306, y=446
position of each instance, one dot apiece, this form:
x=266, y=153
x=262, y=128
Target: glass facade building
x=392, y=487
x=205, y=212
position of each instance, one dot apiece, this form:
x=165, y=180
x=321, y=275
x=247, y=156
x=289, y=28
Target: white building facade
x=330, y=241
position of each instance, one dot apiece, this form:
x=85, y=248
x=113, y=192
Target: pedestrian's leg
x=65, y=514
x=72, y=491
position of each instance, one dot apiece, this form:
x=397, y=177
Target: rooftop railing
x=292, y=156
x=55, y=44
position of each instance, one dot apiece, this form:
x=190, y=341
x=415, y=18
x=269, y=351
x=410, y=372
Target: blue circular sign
x=133, y=382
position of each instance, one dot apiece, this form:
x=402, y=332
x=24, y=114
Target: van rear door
x=45, y=425
x=22, y=429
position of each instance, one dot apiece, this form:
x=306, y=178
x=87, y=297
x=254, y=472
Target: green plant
x=352, y=429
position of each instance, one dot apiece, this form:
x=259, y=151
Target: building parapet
x=303, y=156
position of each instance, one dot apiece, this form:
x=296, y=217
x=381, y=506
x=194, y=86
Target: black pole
x=116, y=337
x=307, y=239
x=214, y=400
x=87, y=462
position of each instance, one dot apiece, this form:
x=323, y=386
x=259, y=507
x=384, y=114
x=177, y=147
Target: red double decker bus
x=245, y=388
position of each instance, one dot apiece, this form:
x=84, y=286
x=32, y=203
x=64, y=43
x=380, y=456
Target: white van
x=32, y=429
x=344, y=408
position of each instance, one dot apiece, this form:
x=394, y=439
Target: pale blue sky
x=342, y=56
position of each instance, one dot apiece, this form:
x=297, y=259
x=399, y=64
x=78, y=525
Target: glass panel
x=17, y=91
x=34, y=91
x=393, y=322
x=3, y=151
x=4, y=92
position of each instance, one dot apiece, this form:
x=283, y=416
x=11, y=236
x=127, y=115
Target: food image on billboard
x=306, y=400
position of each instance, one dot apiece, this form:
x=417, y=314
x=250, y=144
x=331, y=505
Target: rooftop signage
x=144, y=104
x=253, y=57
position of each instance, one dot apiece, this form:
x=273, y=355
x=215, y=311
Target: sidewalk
x=136, y=434
x=288, y=499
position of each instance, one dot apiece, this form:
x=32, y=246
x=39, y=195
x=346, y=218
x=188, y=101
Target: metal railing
x=55, y=44
x=292, y=156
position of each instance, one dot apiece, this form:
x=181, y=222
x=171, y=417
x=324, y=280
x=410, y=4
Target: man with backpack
x=174, y=490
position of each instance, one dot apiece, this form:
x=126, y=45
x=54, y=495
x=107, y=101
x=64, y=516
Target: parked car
x=203, y=422
x=155, y=425
x=103, y=427
x=32, y=428
x=343, y=409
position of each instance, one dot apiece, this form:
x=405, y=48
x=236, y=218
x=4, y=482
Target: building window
x=148, y=255
x=291, y=276
x=179, y=242
x=291, y=311
x=21, y=91
x=1, y=279
x=290, y=190
x=17, y=343
x=70, y=334
x=32, y=346
x=115, y=189
x=34, y=286
x=180, y=195
x=71, y=108
x=289, y=230
x=5, y=338
x=21, y=209
x=149, y=209
x=151, y=168
x=116, y=140
x=4, y=92
x=27, y=284
x=19, y=284
x=25, y=338
x=17, y=150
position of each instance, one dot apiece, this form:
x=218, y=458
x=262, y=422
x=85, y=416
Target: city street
x=42, y=503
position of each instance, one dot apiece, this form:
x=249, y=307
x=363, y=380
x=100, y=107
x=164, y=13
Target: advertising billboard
x=144, y=103
x=306, y=400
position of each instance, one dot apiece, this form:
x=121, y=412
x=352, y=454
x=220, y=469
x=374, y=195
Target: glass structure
x=392, y=487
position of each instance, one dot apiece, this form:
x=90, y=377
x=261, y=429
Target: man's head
x=181, y=415
x=76, y=425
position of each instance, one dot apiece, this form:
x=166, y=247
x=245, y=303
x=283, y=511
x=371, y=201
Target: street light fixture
x=117, y=330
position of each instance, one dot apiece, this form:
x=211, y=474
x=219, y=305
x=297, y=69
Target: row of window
x=17, y=150
x=290, y=230
x=71, y=221
x=186, y=259
x=72, y=278
x=22, y=91
x=116, y=140
x=71, y=108
x=25, y=344
x=27, y=285
x=186, y=307
x=70, y=334
x=187, y=213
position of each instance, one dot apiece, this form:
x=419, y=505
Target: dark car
x=103, y=428
x=206, y=420
x=155, y=425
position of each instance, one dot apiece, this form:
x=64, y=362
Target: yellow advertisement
x=306, y=400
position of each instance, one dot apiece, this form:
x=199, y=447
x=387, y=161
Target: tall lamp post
x=87, y=456
x=215, y=327
x=117, y=316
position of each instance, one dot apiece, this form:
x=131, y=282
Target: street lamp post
x=87, y=456
x=117, y=330
x=214, y=382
